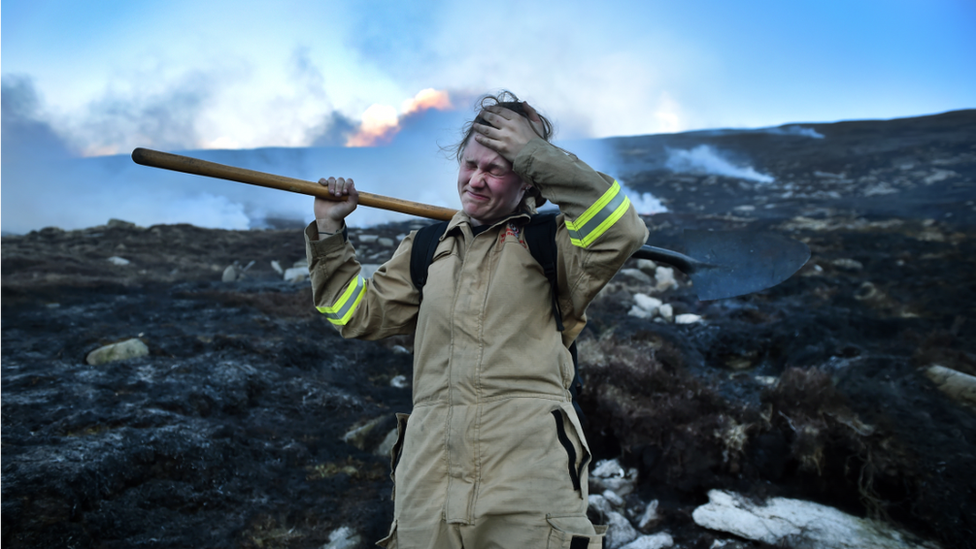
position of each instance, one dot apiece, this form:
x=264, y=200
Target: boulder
x=647, y=266
x=638, y=275
x=116, y=260
x=796, y=523
x=687, y=318
x=343, y=537
x=659, y=540
x=665, y=278
x=296, y=274
x=645, y=306
x=609, y=475
x=231, y=273
x=619, y=531
x=130, y=348
x=959, y=386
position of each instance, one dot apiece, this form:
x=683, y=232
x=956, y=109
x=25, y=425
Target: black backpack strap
x=540, y=236
x=422, y=254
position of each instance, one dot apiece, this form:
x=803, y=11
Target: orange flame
x=380, y=123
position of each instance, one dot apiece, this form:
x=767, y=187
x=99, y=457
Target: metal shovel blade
x=737, y=263
x=725, y=264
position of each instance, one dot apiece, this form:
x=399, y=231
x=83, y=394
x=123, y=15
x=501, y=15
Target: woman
x=482, y=459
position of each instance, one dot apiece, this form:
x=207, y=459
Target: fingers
x=340, y=186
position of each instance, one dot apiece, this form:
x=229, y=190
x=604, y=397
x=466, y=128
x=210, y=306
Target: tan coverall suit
x=493, y=454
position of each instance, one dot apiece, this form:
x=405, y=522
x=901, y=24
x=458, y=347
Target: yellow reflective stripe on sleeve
x=341, y=312
x=599, y=217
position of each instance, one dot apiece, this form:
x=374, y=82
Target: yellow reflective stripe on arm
x=341, y=312
x=599, y=217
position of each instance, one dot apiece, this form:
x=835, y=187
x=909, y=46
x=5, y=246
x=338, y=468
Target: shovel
x=720, y=263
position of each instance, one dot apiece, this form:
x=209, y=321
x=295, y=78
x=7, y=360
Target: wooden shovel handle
x=195, y=166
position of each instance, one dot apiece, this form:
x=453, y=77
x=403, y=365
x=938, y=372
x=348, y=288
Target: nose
x=477, y=179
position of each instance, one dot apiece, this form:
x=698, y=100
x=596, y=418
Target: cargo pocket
x=570, y=437
x=576, y=532
x=390, y=541
x=397, y=449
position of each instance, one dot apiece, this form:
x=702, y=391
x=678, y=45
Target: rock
x=386, y=447
x=124, y=350
x=116, y=260
x=357, y=435
x=650, y=516
x=656, y=541
x=848, y=264
x=687, y=318
x=647, y=304
x=400, y=382
x=368, y=238
x=277, y=267
x=667, y=312
x=638, y=275
x=647, y=266
x=400, y=350
x=343, y=538
x=609, y=475
x=619, y=531
x=665, y=278
x=957, y=385
x=795, y=523
x=303, y=263
x=386, y=242
x=296, y=274
x=230, y=274
x=600, y=503
x=613, y=498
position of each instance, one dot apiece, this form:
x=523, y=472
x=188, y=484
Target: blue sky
x=100, y=78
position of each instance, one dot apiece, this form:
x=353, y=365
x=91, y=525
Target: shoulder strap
x=540, y=236
x=424, y=244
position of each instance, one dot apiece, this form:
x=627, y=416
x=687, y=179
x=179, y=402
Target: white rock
x=386, y=447
x=667, y=312
x=357, y=435
x=619, y=531
x=647, y=266
x=957, y=385
x=848, y=264
x=687, y=318
x=795, y=523
x=640, y=313
x=638, y=275
x=600, y=503
x=613, y=498
x=130, y=348
x=609, y=475
x=400, y=382
x=650, y=516
x=343, y=538
x=387, y=242
x=296, y=274
x=665, y=278
x=116, y=260
x=400, y=350
x=659, y=540
x=230, y=274
x=277, y=267
x=648, y=303
x=607, y=468
x=303, y=262
x=368, y=238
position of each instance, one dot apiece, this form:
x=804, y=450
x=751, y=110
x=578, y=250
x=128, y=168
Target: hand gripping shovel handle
x=195, y=166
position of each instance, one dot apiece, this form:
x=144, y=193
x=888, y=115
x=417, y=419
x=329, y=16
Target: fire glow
x=380, y=123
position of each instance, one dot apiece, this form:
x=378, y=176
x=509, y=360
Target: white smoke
x=794, y=130
x=703, y=159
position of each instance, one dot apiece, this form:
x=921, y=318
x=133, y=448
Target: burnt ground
x=230, y=432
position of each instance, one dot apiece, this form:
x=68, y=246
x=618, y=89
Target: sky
x=86, y=82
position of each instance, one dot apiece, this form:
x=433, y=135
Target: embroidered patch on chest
x=511, y=231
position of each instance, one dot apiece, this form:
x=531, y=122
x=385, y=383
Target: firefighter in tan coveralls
x=492, y=454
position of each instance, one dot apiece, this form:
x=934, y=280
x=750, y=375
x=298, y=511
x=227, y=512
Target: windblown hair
x=511, y=102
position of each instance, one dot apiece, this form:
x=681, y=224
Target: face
x=488, y=187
